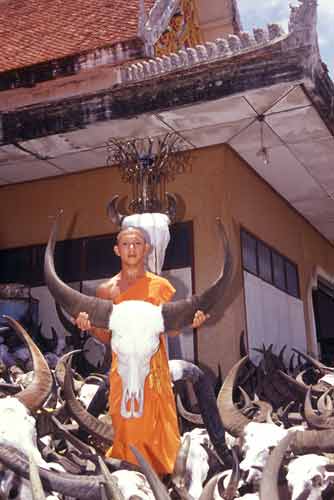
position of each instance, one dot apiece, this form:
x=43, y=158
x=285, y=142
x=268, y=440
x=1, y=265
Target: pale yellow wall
x=83, y=197
x=220, y=184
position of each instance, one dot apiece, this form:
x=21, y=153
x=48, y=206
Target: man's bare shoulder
x=106, y=290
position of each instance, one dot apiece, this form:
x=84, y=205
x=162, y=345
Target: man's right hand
x=82, y=321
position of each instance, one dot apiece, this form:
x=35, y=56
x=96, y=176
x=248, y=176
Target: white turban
x=156, y=227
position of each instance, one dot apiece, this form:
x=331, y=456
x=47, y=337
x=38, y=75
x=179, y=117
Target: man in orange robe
x=155, y=434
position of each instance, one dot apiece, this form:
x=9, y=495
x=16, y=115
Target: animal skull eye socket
x=316, y=481
x=13, y=493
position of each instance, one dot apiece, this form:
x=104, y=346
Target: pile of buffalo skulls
x=269, y=433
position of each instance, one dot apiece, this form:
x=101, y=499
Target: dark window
x=15, y=265
x=278, y=271
x=265, y=268
x=100, y=259
x=87, y=258
x=249, y=252
x=326, y=287
x=323, y=303
x=324, y=314
x=292, y=279
x=262, y=260
x=179, y=251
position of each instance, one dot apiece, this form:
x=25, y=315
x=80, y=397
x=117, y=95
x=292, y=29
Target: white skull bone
x=308, y=474
x=136, y=326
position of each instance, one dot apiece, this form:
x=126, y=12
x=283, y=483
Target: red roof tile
x=35, y=31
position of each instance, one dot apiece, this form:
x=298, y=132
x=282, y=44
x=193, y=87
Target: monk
x=155, y=434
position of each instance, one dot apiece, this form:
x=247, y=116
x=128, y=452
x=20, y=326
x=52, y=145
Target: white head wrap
x=156, y=227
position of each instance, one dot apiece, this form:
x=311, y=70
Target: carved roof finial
x=142, y=18
x=304, y=16
x=236, y=21
x=303, y=30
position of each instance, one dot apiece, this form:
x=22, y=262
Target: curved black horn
x=233, y=419
x=85, y=487
x=180, y=313
x=60, y=370
x=86, y=421
x=314, y=362
x=194, y=418
x=67, y=324
x=35, y=395
x=206, y=401
x=171, y=206
x=74, y=302
x=299, y=389
x=115, y=216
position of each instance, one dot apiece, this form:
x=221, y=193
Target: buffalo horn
x=88, y=422
x=180, y=313
x=179, y=472
x=73, y=302
x=112, y=489
x=157, y=486
x=35, y=481
x=269, y=481
x=206, y=401
x=209, y=488
x=233, y=420
x=35, y=395
x=314, y=420
x=171, y=206
x=115, y=216
x=231, y=490
x=313, y=441
x=61, y=369
x=194, y=418
x=314, y=362
x=85, y=487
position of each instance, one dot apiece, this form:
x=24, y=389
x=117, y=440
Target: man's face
x=131, y=247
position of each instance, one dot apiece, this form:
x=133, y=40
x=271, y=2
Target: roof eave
x=115, y=54
x=218, y=79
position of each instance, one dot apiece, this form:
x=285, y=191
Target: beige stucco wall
x=220, y=184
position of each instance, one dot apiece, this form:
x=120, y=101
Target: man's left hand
x=199, y=318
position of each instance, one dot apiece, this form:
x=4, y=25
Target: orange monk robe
x=155, y=434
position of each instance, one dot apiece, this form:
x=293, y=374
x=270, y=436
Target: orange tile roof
x=35, y=31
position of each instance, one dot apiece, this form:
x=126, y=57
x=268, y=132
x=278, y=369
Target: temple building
x=255, y=114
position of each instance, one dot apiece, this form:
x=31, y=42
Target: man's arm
x=166, y=293
x=83, y=321
x=199, y=318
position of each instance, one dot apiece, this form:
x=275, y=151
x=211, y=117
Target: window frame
x=244, y=234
